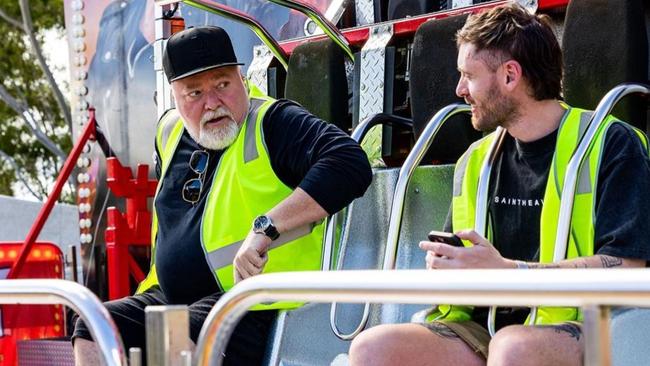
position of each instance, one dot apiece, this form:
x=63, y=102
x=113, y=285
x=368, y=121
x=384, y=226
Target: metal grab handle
x=576, y=162
x=603, y=109
x=312, y=13
x=240, y=17
x=412, y=161
x=481, y=216
x=503, y=287
x=358, y=135
x=80, y=299
x=397, y=208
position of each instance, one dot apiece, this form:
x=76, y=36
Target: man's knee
x=373, y=346
x=511, y=345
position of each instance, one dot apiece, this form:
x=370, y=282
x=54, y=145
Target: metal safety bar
x=330, y=30
x=574, y=167
x=358, y=135
x=78, y=298
x=406, y=172
x=481, y=214
x=397, y=208
x=589, y=288
x=240, y=17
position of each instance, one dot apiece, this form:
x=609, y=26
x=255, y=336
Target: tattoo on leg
x=441, y=330
x=608, y=261
x=573, y=330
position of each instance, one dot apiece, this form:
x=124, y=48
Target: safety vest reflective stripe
x=224, y=256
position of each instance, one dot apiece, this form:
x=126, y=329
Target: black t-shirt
x=517, y=186
x=304, y=152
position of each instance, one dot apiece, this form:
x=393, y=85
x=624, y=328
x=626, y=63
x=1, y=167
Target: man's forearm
x=596, y=261
x=297, y=210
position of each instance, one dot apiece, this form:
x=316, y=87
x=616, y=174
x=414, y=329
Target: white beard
x=217, y=137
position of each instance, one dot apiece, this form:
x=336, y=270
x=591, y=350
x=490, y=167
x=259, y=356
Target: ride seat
x=433, y=81
x=398, y=9
x=605, y=43
x=316, y=79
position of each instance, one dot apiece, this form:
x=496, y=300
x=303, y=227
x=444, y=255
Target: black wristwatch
x=264, y=225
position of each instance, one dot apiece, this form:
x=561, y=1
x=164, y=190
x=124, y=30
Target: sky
x=56, y=52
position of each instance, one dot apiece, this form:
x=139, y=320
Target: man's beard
x=495, y=112
x=219, y=136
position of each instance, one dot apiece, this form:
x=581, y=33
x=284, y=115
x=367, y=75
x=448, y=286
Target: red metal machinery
x=126, y=230
x=36, y=260
x=21, y=322
x=406, y=27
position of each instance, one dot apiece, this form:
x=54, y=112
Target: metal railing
x=592, y=289
x=78, y=298
x=358, y=135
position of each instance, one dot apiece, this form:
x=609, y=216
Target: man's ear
x=512, y=72
x=246, y=85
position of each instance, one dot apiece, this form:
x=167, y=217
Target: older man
x=245, y=182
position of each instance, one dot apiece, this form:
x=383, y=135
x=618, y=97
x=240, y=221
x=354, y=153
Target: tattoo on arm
x=441, y=330
x=573, y=330
x=608, y=261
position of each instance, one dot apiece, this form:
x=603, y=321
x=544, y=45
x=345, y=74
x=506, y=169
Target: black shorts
x=247, y=344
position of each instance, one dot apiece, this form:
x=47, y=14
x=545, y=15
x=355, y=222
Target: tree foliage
x=34, y=118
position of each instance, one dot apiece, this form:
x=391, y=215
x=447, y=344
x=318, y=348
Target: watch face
x=261, y=223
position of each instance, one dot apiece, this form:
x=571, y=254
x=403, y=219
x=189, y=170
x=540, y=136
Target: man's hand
x=251, y=257
x=481, y=255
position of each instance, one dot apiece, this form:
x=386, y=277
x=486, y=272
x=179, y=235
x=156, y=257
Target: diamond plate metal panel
x=365, y=11
x=371, y=93
x=45, y=353
x=258, y=70
x=461, y=3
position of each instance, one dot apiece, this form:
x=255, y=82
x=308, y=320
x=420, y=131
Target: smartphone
x=444, y=237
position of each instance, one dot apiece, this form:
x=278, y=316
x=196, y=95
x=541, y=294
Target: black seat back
x=316, y=79
x=433, y=81
x=605, y=43
x=398, y=9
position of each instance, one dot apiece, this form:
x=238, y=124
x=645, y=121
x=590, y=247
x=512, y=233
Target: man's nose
x=212, y=100
x=461, y=89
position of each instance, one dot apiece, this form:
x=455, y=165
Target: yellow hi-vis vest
x=244, y=187
x=581, y=242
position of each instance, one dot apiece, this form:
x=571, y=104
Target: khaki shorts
x=474, y=335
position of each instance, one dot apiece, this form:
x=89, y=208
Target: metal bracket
x=371, y=89
x=258, y=70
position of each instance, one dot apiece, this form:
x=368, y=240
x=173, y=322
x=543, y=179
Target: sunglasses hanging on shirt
x=192, y=188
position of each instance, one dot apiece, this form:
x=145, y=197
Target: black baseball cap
x=195, y=50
